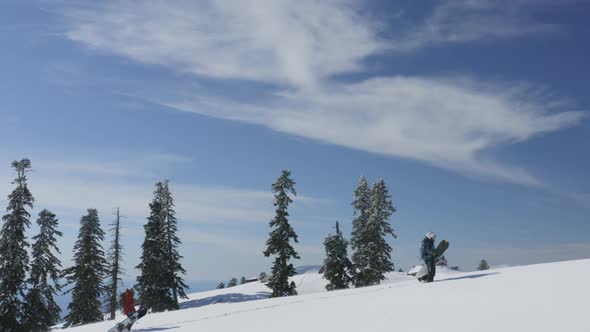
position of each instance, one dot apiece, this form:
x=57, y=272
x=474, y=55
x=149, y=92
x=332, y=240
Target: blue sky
x=474, y=112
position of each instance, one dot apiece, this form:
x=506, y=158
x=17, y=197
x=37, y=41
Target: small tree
x=242, y=280
x=233, y=282
x=483, y=265
x=87, y=274
x=41, y=312
x=337, y=266
x=221, y=285
x=400, y=270
x=14, y=258
x=262, y=276
x=115, y=256
x=278, y=243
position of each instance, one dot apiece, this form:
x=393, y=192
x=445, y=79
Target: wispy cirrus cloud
x=270, y=41
x=447, y=123
x=464, y=21
x=298, y=48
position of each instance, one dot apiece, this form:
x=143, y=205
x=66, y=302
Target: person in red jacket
x=128, y=302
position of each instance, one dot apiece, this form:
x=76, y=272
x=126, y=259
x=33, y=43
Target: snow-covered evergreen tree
x=242, y=280
x=115, y=255
x=337, y=266
x=89, y=270
x=361, y=206
x=373, y=256
x=483, y=265
x=174, y=269
x=14, y=258
x=151, y=283
x=232, y=282
x=278, y=243
x=41, y=312
x=221, y=285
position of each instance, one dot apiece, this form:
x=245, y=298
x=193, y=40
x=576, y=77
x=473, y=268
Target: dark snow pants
x=431, y=270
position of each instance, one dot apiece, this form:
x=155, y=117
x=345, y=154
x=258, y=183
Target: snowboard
x=440, y=250
x=126, y=324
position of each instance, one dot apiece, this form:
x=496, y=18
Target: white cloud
x=299, y=46
x=72, y=186
x=277, y=41
x=460, y=21
x=443, y=122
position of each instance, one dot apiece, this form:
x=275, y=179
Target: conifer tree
x=373, y=257
x=87, y=274
x=337, y=266
x=483, y=265
x=221, y=285
x=115, y=256
x=242, y=280
x=174, y=269
x=14, y=258
x=278, y=243
x=41, y=312
x=360, y=205
x=233, y=282
x=151, y=283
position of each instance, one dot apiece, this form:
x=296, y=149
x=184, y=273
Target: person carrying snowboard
x=428, y=254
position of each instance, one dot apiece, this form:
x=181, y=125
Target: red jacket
x=129, y=303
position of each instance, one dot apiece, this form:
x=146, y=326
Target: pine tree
x=172, y=258
x=278, y=242
x=233, y=282
x=221, y=285
x=361, y=206
x=88, y=273
x=483, y=265
x=373, y=256
x=151, y=283
x=337, y=266
x=242, y=280
x=41, y=312
x=115, y=256
x=14, y=258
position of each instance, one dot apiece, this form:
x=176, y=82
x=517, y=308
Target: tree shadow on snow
x=154, y=329
x=224, y=298
x=473, y=276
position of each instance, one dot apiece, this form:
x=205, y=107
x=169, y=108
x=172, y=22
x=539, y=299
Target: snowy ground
x=545, y=297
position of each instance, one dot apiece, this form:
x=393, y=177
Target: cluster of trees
x=231, y=283
x=28, y=290
x=371, y=257
x=27, y=302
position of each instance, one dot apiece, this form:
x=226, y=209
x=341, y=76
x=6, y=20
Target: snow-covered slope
x=545, y=297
